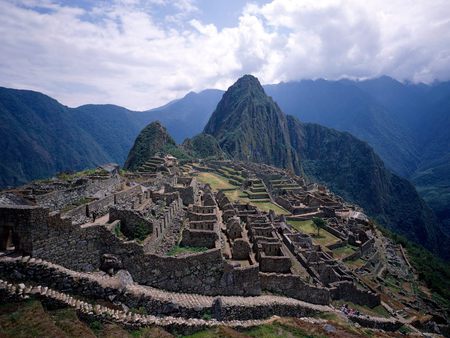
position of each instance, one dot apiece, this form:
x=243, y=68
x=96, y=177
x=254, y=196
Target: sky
x=141, y=54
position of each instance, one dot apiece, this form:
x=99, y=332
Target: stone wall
x=25, y=223
x=102, y=205
x=132, y=223
x=223, y=309
x=204, y=273
x=335, y=232
x=199, y=238
x=187, y=187
x=293, y=286
x=57, y=199
x=93, y=288
x=348, y=291
x=367, y=246
x=377, y=323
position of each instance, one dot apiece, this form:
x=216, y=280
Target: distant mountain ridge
x=40, y=137
x=406, y=124
x=250, y=126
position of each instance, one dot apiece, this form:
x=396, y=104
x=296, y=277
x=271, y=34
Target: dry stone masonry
x=162, y=240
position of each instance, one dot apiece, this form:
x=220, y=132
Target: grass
x=325, y=238
x=88, y=172
x=271, y=330
x=216, y=182
x=180, y=250
x=357, y=263
x=277, y=330
x=27, y=319
x=117, y=231
x=235, y=195
x=343, y=251
x=267, y=206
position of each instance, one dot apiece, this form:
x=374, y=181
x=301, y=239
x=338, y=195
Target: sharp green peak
x=153, y=139
x=250, y=126
x=247, y=124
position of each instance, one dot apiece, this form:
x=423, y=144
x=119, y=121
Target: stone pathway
x=187, y=300
x=196, y=302
x=125, y=318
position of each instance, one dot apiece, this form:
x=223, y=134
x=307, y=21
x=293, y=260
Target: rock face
x=250, y=126
x=153, y=139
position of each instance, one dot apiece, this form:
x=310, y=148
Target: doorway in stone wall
x=9, y=240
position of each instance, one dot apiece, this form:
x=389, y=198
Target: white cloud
x=140, y=54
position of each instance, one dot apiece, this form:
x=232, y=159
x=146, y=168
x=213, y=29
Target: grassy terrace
x=267, y=206
x=179, y=250
x=324, y=239
x=343, y=251
x=355, y=264
x=218, y=182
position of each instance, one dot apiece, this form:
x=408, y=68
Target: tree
x=318, y=223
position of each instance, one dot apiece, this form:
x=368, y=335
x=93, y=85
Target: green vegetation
x=277, y=329
x=355, y=264
x=117, y=231
x=432, y=270
x=267, y=206
x=203, y=146
x=237, y=194
x=153, y=139
x=66, y=176
x=318, y=223
x=324, y=239
x=96, y=326
x=180, y=250
x=249, y=126
x=343, y=251
x=216, y=182
x=27, y=319
x=141, y=231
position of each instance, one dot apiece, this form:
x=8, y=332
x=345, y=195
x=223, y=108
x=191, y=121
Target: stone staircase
x=104, y=313
x=151, y=166
x=168, y=309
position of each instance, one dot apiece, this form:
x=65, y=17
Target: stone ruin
x=132, y=223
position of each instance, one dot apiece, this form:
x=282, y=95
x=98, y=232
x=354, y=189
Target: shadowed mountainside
x=249, y=126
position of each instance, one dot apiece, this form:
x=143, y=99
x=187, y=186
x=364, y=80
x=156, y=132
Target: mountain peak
x=247, y=122
x=153, y=139
x=247, y=83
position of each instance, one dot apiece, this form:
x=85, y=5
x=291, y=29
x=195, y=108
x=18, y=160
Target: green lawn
x=357, y=263
x=178, y=250
x=235, y=195
x=267, y=206
x=270, y=330
x=216, y=182
x=343, y=251
x=324, y=238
